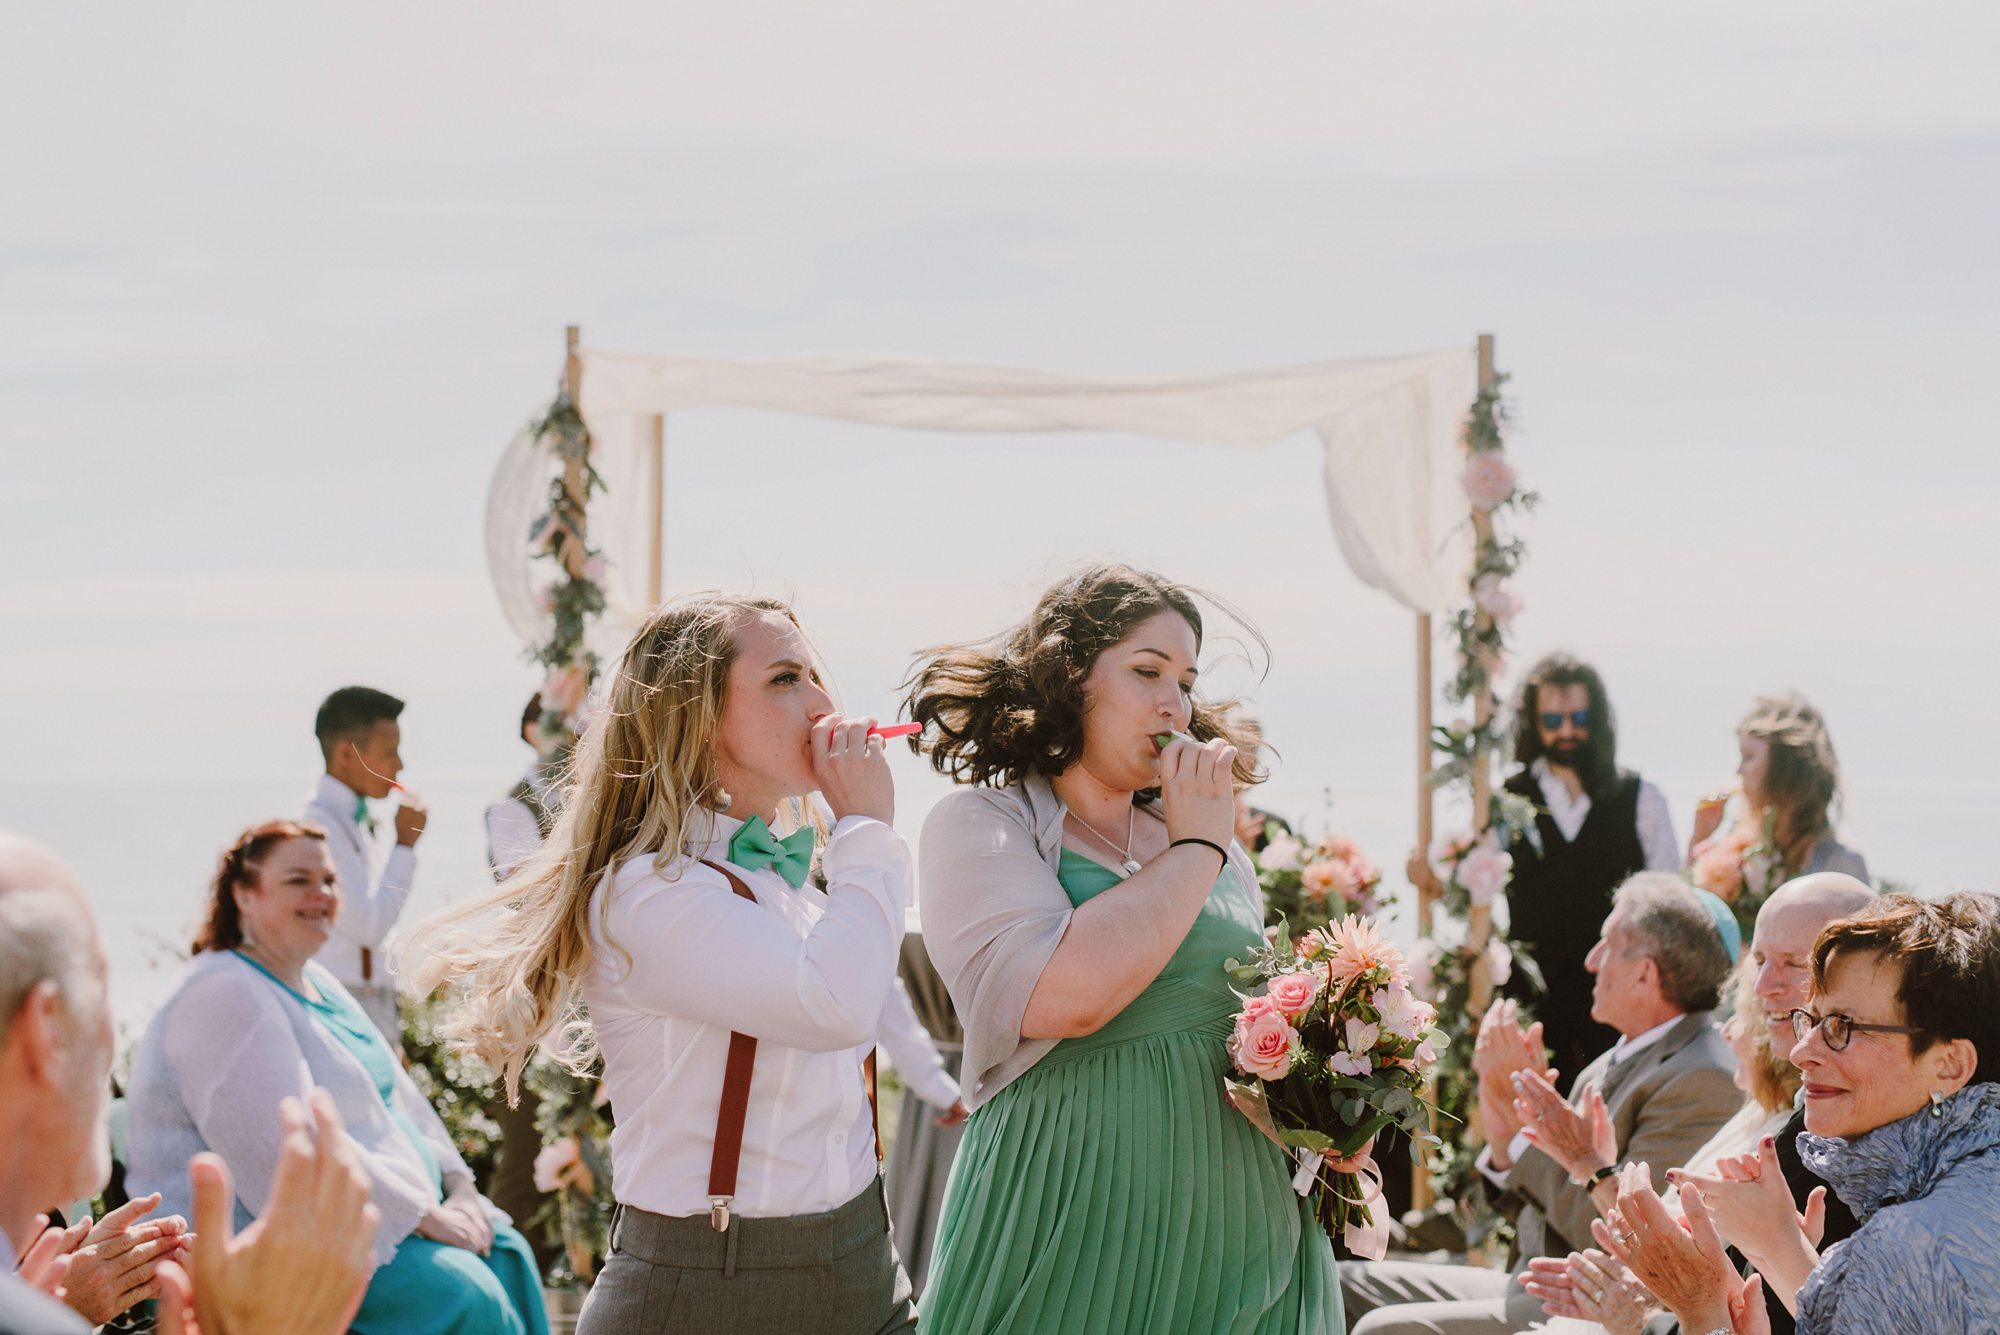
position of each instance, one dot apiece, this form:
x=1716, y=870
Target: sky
x=277, y=284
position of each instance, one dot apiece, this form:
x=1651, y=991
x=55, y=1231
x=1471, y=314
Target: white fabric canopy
x=1389, y=426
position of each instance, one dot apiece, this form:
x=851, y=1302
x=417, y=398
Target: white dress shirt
x=375, y=876
x=512, y=836
x=1654, y=823
x=682, y=961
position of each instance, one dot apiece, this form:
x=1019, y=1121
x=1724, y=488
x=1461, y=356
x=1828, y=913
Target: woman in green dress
x=1080, y=897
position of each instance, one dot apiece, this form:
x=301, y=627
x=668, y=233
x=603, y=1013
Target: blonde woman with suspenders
x=734, y=1005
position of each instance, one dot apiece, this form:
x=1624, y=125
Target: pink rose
x=1293, y=993
x=1281, y=854
x=1266, y=1046
x=1254, y=1007
x=1484, y=873
x=1488, y=479
x=1496, y=598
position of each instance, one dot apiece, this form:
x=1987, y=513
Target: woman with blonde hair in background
x=733, y=1004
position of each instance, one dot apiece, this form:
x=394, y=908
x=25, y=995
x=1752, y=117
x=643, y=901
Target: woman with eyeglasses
x=1899, y=1055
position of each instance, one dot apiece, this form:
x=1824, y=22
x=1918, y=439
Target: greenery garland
x=576, y=596
x=1472, y=865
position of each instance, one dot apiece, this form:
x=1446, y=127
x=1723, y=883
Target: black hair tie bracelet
x=1220, y=851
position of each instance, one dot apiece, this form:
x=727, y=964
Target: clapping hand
x=1502, y=1048
x=115, y=1266
x=47, y=1260
x=1681, y=1261
x=1591, y=1286
x=1580, y=1138
x=303, y=1266
x=1751, y=1205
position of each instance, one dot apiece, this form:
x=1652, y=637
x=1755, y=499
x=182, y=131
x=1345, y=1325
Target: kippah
x=1725, y=922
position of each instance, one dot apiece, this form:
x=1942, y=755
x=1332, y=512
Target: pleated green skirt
x=1112, y=1188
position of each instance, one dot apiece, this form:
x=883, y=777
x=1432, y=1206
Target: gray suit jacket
x=26, y=1311
x=1665, y=1100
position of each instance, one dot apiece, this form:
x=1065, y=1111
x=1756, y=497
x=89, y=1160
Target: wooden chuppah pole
x=573, y=553
x=1480, y=927
x=1421, y=1195
x=656, y=493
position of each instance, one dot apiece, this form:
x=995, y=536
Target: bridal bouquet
x=1741, y=865
x=1312, y=886
x=1333, y=1051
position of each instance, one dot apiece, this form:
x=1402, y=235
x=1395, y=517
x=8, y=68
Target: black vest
x=1557, y=904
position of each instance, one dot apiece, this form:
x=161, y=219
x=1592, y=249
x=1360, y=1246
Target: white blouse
x=682, y=960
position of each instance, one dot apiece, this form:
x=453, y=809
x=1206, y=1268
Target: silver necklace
x=1130, y=864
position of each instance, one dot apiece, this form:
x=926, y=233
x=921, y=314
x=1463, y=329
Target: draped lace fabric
x=1389, y=427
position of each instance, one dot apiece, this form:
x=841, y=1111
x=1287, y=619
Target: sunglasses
x=1578, y=718
x=1838, y=1029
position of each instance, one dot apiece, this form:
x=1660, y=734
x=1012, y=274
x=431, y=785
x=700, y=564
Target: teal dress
x=1111, y=1188
x=430, y=1288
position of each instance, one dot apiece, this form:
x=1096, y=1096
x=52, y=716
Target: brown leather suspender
x=729, y=1116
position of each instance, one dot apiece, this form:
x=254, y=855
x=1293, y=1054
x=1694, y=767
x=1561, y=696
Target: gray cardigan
x=215, y=1062
x=993, y=912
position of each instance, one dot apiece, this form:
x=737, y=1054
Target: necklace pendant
x=1129, y=865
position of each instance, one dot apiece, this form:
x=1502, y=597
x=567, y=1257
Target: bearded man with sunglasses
x=1595, y=825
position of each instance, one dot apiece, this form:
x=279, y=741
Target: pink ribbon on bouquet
x=1368, y=1241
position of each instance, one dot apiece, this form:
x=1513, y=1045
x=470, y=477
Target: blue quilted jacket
x=1927, y=1192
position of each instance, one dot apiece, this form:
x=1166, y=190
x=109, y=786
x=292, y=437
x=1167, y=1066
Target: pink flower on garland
x=1488, y=479
x=1496, y=598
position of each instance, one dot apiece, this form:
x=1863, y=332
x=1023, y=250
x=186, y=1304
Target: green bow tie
x=754, y=846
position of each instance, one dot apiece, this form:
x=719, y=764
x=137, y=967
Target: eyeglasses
x=1579, y=717
x=1837, y=1029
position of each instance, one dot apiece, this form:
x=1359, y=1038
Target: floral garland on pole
x=576, y=596
x=1472, y=865
x=574, y=1164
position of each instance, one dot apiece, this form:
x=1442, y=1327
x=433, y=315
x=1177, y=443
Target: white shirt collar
x=337, y=797
x=1625, y=1047
x=8, y=1263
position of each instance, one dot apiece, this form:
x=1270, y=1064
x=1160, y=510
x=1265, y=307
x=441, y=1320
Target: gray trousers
x=835, y=1273
x=1424, y=1298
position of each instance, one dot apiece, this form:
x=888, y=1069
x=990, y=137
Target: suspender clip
x=718, y=1213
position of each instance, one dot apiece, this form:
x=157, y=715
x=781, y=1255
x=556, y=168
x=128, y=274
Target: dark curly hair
x=1002, y=709
x=223, y=927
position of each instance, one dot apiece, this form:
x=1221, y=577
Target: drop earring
x=1937, y=1103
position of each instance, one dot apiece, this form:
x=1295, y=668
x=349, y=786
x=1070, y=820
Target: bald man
x=55, y=1066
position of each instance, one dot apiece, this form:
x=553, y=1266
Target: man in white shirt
x=1664, y=1087
x=361, y=741
x=517, y=824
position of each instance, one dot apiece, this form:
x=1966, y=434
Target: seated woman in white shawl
x=253, y=1020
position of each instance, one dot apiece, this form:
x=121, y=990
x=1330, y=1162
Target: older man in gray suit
x=1657, y=1095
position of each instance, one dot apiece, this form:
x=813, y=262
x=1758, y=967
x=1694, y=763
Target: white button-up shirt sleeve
x=1656, y=830
x=912, y=1052
x=369, y=906
x=512, y=837
x=716, y=958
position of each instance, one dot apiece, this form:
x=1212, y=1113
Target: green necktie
x=361, y=816
x=754, y=846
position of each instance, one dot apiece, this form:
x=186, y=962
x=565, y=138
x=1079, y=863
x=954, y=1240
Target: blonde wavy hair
x=641, y=781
